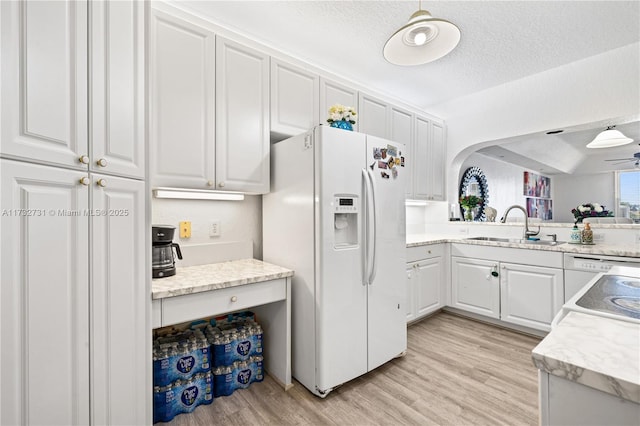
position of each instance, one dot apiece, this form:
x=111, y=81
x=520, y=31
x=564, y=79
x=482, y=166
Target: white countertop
x=624, y=250
x=214, y=276
x=598, y=352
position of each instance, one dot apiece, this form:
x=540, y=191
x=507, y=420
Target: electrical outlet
x=185, y=229
x=598, y=236
x=215, y=231
x=463, y=230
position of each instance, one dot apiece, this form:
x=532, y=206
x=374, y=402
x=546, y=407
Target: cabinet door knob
x=429, y=251
x=102, y=183
x=209, y=183
x=85, y=181
x=83, y=159
x=221, y=184
x=102, y=162
x=234, y=298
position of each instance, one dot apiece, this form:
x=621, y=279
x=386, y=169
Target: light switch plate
x=215, y=230
x=185, y=229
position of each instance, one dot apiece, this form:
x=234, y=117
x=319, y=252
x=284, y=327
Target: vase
x=342, y=124
x=468, y=214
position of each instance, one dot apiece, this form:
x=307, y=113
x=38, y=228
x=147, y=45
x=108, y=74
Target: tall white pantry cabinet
x=74, y=297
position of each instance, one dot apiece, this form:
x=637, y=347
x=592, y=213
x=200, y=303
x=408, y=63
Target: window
x=629, y=195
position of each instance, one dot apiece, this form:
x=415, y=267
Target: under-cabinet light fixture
x=196, y=194
x=415, y=202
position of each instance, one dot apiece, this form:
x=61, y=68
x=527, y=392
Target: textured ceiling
x=501, y=41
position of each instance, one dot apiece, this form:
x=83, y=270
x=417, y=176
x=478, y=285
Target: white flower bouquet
x=590, y=210
x=339, y=112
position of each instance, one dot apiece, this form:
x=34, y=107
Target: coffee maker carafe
x=164, y=264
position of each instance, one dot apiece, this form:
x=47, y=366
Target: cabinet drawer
x=156, y=313
x=424, y=252
x=193, y=306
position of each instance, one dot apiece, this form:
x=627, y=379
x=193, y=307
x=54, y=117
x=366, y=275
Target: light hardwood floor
x=456, y=372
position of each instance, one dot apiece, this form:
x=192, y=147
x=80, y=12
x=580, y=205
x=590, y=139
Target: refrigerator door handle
x=372, y=224
x=366, y=220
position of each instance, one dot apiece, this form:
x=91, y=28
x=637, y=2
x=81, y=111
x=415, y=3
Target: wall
x=574, y=189
x=586, y=91
x=567, y=191
x=240, y=220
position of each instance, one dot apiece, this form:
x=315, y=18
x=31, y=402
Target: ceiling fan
x=635, y=159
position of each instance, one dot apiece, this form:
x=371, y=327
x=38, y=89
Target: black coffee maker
x=164, y=264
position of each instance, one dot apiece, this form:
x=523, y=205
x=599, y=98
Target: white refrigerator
x=336, y=216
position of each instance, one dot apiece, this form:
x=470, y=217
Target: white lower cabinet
x=565, y=402
x=474, y=288
x=530, y=295
x=426, y=275
x=74, y=334
x=495, y=286
x=119, y=330
x=44, y=297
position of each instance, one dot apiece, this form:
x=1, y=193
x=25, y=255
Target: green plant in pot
x=468, y=203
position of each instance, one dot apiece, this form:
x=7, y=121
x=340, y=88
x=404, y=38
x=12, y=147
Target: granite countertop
x=214, y=276
x=598, y=352
x=623, y=250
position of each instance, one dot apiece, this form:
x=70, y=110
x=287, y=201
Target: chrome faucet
x=527, y=232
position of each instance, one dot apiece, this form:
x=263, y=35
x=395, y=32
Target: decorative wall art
x=537, y=189
x=540, y=208
x=536, y=185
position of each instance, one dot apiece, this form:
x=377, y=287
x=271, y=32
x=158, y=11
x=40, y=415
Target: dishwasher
x=579, y=269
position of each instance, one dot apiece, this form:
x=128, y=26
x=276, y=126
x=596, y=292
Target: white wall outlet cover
x=215, y=230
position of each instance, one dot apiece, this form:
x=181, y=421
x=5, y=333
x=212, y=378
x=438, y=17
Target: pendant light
x=423, y=39
x=609, y=138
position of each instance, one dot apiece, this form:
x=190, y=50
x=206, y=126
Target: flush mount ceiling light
x=609, y=138
x=423, y=39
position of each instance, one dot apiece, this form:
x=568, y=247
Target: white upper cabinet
x=295, y=96
x=332, y=93
x=117, y=88
x=419, y=162
x=44, y=82
x=209, y=109
x=182, y=103
x=428, y=157
x=48, y=96
x=242, y=118
x=436, y=162
x=402, y=129
x=374, y=116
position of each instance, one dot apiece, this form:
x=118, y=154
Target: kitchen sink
x=517, y=240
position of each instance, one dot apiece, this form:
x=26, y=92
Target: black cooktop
x=615, y=294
